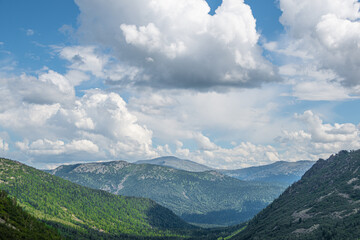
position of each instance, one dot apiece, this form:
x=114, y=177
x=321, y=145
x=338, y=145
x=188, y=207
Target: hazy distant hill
x=177, y=163
x=324, y=204
x=198, y=197
x=280, y=172
x=83, y=213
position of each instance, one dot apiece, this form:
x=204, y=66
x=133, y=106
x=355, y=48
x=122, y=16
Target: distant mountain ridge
x=177, y=163
x=324, y=204
x=279, y=172
x=198, y=197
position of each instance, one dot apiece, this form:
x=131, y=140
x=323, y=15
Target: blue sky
x=225, y=83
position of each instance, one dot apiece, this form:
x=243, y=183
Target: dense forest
x=82, y=213
x=208, y=198
x=16, y=224
x=324, y=204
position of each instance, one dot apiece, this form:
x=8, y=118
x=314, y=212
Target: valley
x=205, y=198
x=323, y=204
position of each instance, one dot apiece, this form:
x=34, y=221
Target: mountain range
x=210, y=197
x=281, y=172
x=278, y=172
x=83, y=213
x=324, y=204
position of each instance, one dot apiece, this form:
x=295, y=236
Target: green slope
x=324, y=204
x=198, y=197
x=83, y=213
x=16, y=224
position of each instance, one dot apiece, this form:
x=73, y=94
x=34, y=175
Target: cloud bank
x=325, y=34
x=163, y=77
x=177, y=44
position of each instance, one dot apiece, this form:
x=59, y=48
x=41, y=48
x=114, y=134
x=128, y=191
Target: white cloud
x=177, y=44
x=85, y=58
x=204, y=142
x=89, y=59
x=234, y=116
x=326, y=33
x=150, y=38
x=28, y=117
x=52, y=121
x=326, y=133
x=47, y=88
x=243, y=155
x=189, y=117
x=48, y=147
x=319, y=140
x=310, y=83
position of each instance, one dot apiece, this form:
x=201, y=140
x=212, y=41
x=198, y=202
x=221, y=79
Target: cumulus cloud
x=177, y=44
x=325, y=34
x=233, y=116
x=319, y=139
x=242, y=155
x=49, y=87
x=97, y=123
x=52, y=121
x=48, y=147
x=85, y=60
x=313, y=84
x=191, y=120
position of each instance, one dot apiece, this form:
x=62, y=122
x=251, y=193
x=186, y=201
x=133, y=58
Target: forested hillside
x=324, y=204
x=16, y=224
x=82, y=213
x=198, y=197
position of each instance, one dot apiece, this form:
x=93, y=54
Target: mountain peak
x=94, y=167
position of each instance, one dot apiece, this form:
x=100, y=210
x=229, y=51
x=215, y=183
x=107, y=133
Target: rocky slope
x=324, y=204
